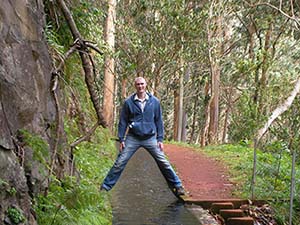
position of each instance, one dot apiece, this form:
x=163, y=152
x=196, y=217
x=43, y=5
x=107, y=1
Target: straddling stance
x=142, y=115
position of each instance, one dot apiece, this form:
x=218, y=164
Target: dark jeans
x=132, y=144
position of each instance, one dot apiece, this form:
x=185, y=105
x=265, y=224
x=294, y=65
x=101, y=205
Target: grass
x=272, y=177
x=76, y=200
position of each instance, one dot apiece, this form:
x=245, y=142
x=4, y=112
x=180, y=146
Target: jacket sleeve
x=159, y=123
x=123, y=122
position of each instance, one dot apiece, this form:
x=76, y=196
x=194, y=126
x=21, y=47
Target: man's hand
x=122, y=145
x=160, y=145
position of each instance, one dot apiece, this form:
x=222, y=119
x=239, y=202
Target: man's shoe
x=102, y=188
x=179, y=191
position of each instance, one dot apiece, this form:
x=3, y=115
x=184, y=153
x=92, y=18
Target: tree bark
x=214, y=30
x=264, y=69
x=109, y=78
x=207, y=101
x=124, y=88
x=226, y=119
x=214, y=105
x=176, y=117
x=193, y=127
x=184, y=125
x=180, y=107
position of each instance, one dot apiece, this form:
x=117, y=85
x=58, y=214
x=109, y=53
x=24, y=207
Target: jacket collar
x=137, y=99
x=134, y=96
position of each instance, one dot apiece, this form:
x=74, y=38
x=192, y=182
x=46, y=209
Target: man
x=142, y=115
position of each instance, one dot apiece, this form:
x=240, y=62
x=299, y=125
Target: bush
x=77, y=200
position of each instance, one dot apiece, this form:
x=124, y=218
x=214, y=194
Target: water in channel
x=141, y=196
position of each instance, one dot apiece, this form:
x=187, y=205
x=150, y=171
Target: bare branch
x=292, y=8
x=280, y=4
x=58, y=122
x=90, y=45
x=66, y=56
x=85, y=137
x=292, y=17
x=75, y=32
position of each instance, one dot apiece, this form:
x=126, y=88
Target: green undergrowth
x=76, y=200
x=273, y=176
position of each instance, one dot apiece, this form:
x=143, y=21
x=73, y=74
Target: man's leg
x=119, y=165
x=164, y=165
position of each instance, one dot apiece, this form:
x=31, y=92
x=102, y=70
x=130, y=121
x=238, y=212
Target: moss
x=12, y=191
x=3, y=183
x=39, y=146
x=15, y=215
x=5, y=187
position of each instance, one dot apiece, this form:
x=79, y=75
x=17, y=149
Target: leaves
x=262, y=215
x=78, y=201
x=258, y=56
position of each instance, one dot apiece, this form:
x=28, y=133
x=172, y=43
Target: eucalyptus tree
x=263, y=65
x=154, y=37
x=223, y=50
x=109, y=65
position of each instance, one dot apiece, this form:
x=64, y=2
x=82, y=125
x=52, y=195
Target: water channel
x=141, y=196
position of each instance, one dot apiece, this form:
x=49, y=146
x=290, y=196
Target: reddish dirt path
x=202, y=177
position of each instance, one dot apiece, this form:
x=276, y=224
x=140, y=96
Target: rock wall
x=25, y=104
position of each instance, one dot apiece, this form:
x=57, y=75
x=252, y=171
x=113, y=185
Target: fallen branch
x=276, y=113
x=86, y=63
x=85, y=137
x=279, y=110
x=58, y=124
x=292, y=17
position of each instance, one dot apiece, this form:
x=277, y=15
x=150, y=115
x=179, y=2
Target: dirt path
x=202, y=177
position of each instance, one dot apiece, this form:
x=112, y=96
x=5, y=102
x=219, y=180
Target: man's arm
x=123, y=123
x=159, y=123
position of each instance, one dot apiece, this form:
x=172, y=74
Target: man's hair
x=140, y=78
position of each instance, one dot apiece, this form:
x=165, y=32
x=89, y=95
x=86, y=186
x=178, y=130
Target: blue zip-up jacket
x=144, y=124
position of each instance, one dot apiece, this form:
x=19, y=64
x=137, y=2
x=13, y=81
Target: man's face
x=140, y=85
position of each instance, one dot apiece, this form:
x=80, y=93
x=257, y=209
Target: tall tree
x=214, y=39
x=109, y=68
x=178, y=106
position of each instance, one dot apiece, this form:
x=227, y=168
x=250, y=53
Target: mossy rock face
x=26, y=102
x=14, y=189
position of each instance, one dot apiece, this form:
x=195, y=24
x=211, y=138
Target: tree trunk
x=180, y=107
x=214, y=105
x=207, y=101
x=124, y=88
x=193, y=127
x=264, y=76
x=215, y=46
x=184, y=124
x=109, y=79
x=227, y=113
x=175, y=121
